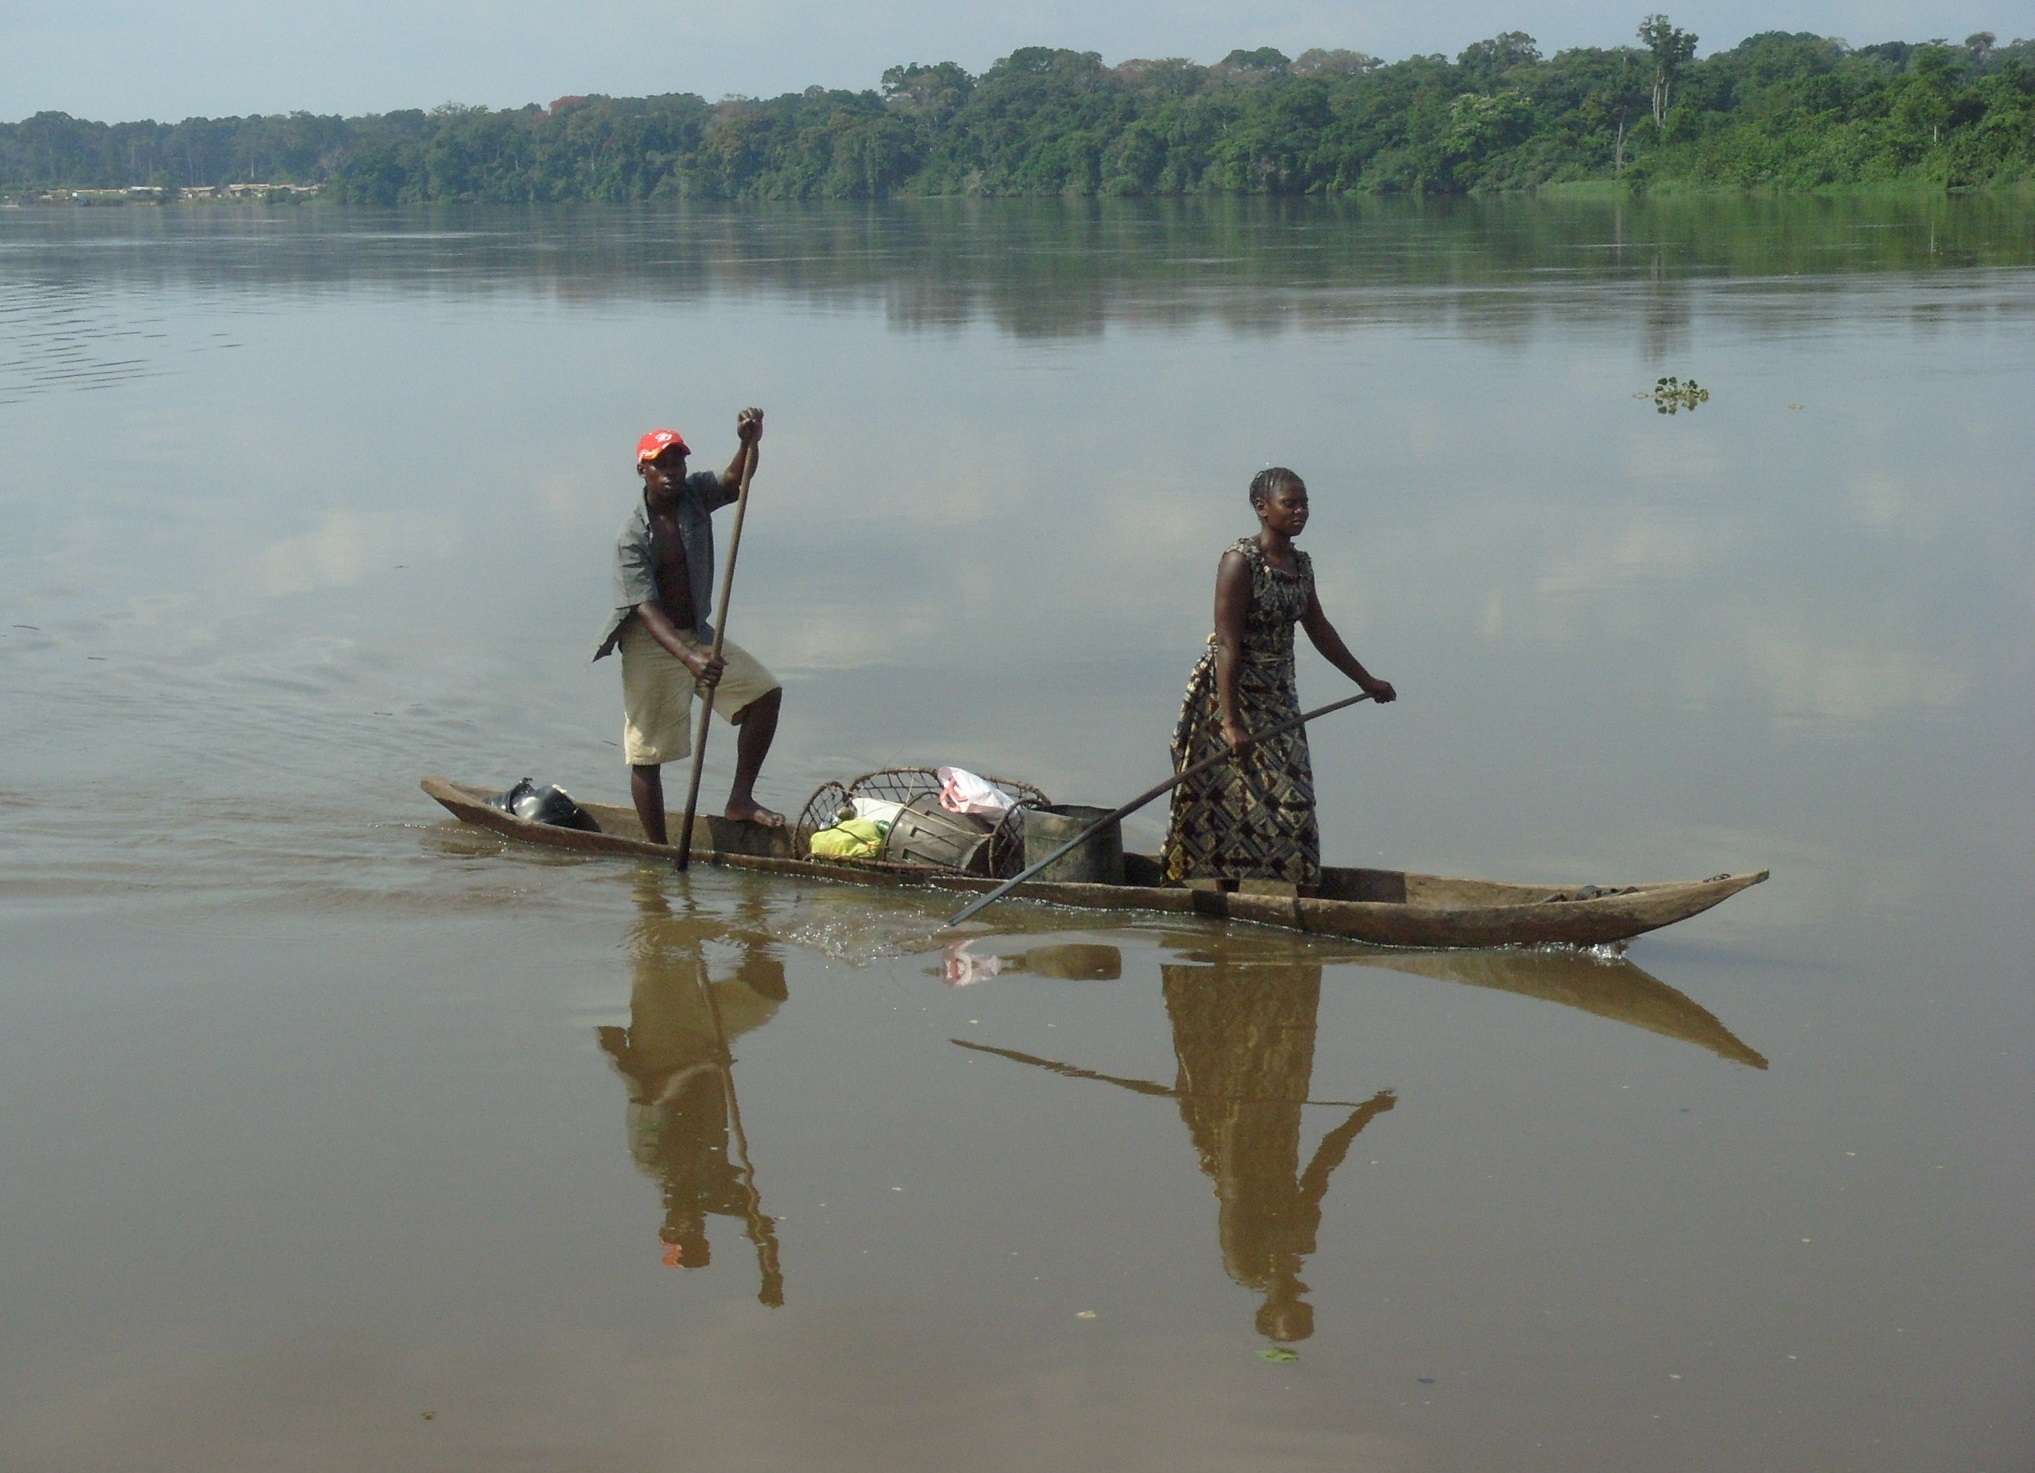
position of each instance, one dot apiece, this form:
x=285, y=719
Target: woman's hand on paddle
x=1233, y=732
x=1379, y=690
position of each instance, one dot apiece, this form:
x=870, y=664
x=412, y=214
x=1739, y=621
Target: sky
x=119, y=60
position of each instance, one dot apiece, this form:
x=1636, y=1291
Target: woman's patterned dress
x=1252, y=818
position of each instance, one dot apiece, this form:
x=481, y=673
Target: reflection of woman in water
x=674, y=1058
x=1245, y=1045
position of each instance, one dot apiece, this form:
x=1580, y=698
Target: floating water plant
x=1672, y=395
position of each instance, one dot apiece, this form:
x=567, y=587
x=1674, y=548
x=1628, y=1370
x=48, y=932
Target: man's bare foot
x=756, y=813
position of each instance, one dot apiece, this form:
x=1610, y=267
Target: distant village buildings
x=152, y=194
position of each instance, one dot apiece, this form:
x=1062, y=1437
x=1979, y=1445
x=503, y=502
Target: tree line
x=1779, y=110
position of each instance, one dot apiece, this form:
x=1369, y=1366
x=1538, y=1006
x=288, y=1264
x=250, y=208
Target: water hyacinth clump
x=1672, y=395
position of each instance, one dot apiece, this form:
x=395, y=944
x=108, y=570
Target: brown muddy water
x=338, y=1137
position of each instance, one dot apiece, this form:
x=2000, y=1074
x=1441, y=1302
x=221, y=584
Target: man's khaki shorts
x=657, y=692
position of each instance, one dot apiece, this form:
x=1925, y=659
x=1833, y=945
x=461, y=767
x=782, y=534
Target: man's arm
x=636, y=587
x=749, y=432
x=705, y=665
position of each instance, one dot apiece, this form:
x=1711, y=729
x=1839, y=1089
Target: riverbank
x=1575, y=191
x=156, y=194
x=1669, y=189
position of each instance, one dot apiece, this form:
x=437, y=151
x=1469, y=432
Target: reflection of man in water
x=1244, y=1038
x=673, y=1054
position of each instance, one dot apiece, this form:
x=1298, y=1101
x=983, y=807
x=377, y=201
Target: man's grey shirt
x=636, y=548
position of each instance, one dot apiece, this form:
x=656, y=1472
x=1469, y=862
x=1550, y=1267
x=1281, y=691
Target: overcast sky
x=126, y=59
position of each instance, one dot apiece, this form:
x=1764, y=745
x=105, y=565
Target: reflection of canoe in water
x=1610, y=987
x=1385, y=907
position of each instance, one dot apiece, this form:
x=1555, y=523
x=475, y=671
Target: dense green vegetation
x=1784, y=111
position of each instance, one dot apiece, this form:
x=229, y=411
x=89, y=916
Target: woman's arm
x=1332, y=648
x=1232, y=601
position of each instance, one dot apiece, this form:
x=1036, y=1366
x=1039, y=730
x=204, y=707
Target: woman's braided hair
x=1267, y=483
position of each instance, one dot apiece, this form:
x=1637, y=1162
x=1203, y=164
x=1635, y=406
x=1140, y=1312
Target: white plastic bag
x=880, y=809
x=962, y=791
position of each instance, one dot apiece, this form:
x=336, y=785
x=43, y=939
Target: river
x=339, y=1136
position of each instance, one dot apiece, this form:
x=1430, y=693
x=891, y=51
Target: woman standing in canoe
x=1253, y=817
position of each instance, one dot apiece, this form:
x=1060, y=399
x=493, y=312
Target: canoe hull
x=1413, y=910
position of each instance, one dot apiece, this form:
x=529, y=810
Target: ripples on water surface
x=342, y=1136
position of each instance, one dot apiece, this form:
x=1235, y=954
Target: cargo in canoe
x=1382, y=907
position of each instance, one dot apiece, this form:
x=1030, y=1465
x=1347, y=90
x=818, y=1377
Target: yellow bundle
x=851, y=838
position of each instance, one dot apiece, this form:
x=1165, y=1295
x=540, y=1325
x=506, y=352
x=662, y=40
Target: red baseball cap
x=657, y=442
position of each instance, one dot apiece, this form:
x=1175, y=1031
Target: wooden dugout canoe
x=1383, y=907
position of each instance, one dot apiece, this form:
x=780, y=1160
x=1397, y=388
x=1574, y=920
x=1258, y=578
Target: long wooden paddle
x=699, y=746
x=1138, y=1086
x=983, y=902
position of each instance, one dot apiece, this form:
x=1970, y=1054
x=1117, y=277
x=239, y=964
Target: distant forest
x=1777, y=111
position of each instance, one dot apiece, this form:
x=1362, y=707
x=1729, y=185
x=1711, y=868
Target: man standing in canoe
x=664, y=579
x=1252, y=818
